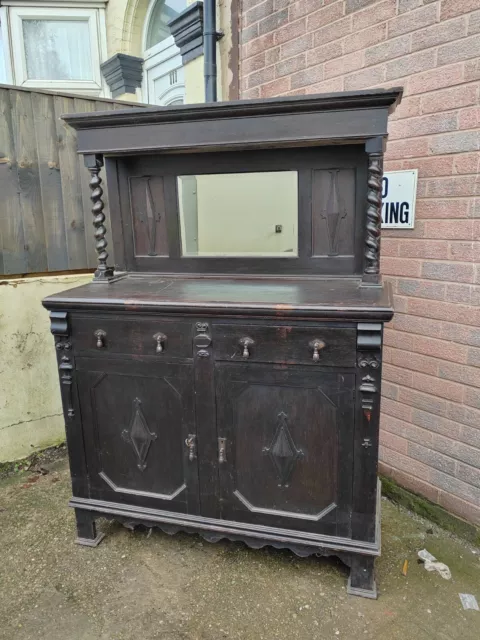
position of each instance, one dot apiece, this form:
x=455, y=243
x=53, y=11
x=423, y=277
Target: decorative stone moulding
x=123, y=73
x=187, y=31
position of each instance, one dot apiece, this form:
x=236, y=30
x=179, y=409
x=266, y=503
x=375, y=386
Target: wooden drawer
x=132, y=335
x=336, y=347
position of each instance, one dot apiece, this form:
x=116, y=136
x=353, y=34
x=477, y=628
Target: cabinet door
x=286, y=438
x=140, y=437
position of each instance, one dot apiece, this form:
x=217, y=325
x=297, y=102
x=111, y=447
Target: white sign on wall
x=399, y=189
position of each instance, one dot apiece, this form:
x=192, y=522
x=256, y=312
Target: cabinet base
x=358, y=555
x=359, y=591
x=89, y=542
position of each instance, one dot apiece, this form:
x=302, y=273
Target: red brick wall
x=430, y=438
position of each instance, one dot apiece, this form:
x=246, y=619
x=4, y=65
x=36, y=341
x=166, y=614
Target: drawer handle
x=316, y=345
x=192, y=447
x=100, y=335
x=160, y=339
x=246, y=344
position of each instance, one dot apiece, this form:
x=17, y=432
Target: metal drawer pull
x=192, y=447
x=316, y=345
x=246, y=344
x=160, y=339
x=222, y=450
x=100, y=335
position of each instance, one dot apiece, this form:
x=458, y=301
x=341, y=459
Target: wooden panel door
x=286, y=437
x=140, y=436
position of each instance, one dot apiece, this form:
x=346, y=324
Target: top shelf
x=319, y=299
x=334, y=118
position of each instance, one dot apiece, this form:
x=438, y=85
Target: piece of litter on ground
x=469, y=601
x=425, y=555
x=431, y=564
x=405, y=568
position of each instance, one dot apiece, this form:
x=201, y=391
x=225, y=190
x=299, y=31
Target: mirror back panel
x=290, y=211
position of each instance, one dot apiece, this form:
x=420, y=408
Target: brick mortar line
x=413, y=424
x=461, y=364
x=439, y=133
x=426, y=238
x=443, y=156
x=466, y=284
x=472, y=284
x=346, y=15
x=376, y=24
x=409, y=389
x=430, y=431
x=417, y=51
x=447, y=112
x=434, y=376
x=391, y=466
x=448, y=456
x=442, y=197
x=422, y=335
x=442, y=491
x=432, y=135
x=433, y=260
x=288, y=22
x=351, y=74
x=462, y=424
x=429, y=466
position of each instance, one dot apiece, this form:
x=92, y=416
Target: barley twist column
x=371, y=273
x=94, y=162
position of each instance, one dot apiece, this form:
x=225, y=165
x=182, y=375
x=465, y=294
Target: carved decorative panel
x=283, y=452
x=147, y=202
x=333, y=208
x=139, y=435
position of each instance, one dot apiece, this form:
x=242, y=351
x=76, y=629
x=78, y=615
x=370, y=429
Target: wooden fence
x=45, y=208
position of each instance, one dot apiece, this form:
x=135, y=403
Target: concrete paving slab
x=141, y=585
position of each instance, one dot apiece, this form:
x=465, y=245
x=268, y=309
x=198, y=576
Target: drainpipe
x=210, y=36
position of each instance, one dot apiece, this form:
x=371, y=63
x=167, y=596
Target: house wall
x=31, y=415
x=430, y=427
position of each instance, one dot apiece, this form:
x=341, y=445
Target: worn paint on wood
x=45, y=217
x=14, y=258
x=71, y=186
x=50, y=181
x=29, y=181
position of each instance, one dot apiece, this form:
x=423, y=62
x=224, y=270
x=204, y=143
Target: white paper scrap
x=431, y=564
x=469, y=601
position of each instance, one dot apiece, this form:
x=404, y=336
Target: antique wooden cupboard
x=224, y=378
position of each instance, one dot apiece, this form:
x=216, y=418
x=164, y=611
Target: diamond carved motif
x=334, y=212
x=283, y=452
x=139, y=435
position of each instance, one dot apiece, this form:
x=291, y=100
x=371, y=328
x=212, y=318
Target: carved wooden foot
x=362, y=577
x=86, y=529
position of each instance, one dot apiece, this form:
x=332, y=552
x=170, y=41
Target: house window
x=162, y=13
x=3, y=73
x=58, y=47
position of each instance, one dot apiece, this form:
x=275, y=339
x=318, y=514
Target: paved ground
x=135, y=586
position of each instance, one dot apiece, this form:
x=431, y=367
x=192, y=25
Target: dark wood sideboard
x=224, y=377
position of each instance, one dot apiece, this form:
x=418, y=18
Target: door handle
x=222, y=450
x=192, y=447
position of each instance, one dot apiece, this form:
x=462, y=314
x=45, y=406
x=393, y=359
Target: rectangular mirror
x=239, y=214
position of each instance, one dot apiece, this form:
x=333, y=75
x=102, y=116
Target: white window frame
x=162, y=52
x=96, y=23
x=6, y=45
